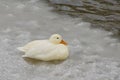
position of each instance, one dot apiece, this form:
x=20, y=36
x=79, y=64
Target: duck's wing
x=30, y=45
x=41, y=49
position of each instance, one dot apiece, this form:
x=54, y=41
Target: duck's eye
x=57, y=37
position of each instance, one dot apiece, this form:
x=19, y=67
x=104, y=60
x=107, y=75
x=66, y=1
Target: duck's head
x=57, y=39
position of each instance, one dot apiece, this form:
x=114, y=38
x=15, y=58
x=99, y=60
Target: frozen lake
x=94, y=55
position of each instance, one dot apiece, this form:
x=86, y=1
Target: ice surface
x=92, y=51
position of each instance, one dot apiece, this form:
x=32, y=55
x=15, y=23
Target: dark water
x=101, y=13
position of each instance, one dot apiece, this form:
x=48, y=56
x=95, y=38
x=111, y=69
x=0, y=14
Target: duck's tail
x=21, y=49
x=24, y=56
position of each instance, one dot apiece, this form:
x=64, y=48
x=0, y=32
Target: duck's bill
x=63, y=42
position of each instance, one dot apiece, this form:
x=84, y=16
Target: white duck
x=53, y=49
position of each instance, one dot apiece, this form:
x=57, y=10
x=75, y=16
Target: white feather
x=45, y=50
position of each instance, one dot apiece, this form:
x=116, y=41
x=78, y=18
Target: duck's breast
x=62, y=51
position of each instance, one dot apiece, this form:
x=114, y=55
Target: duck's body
x=45, y=50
